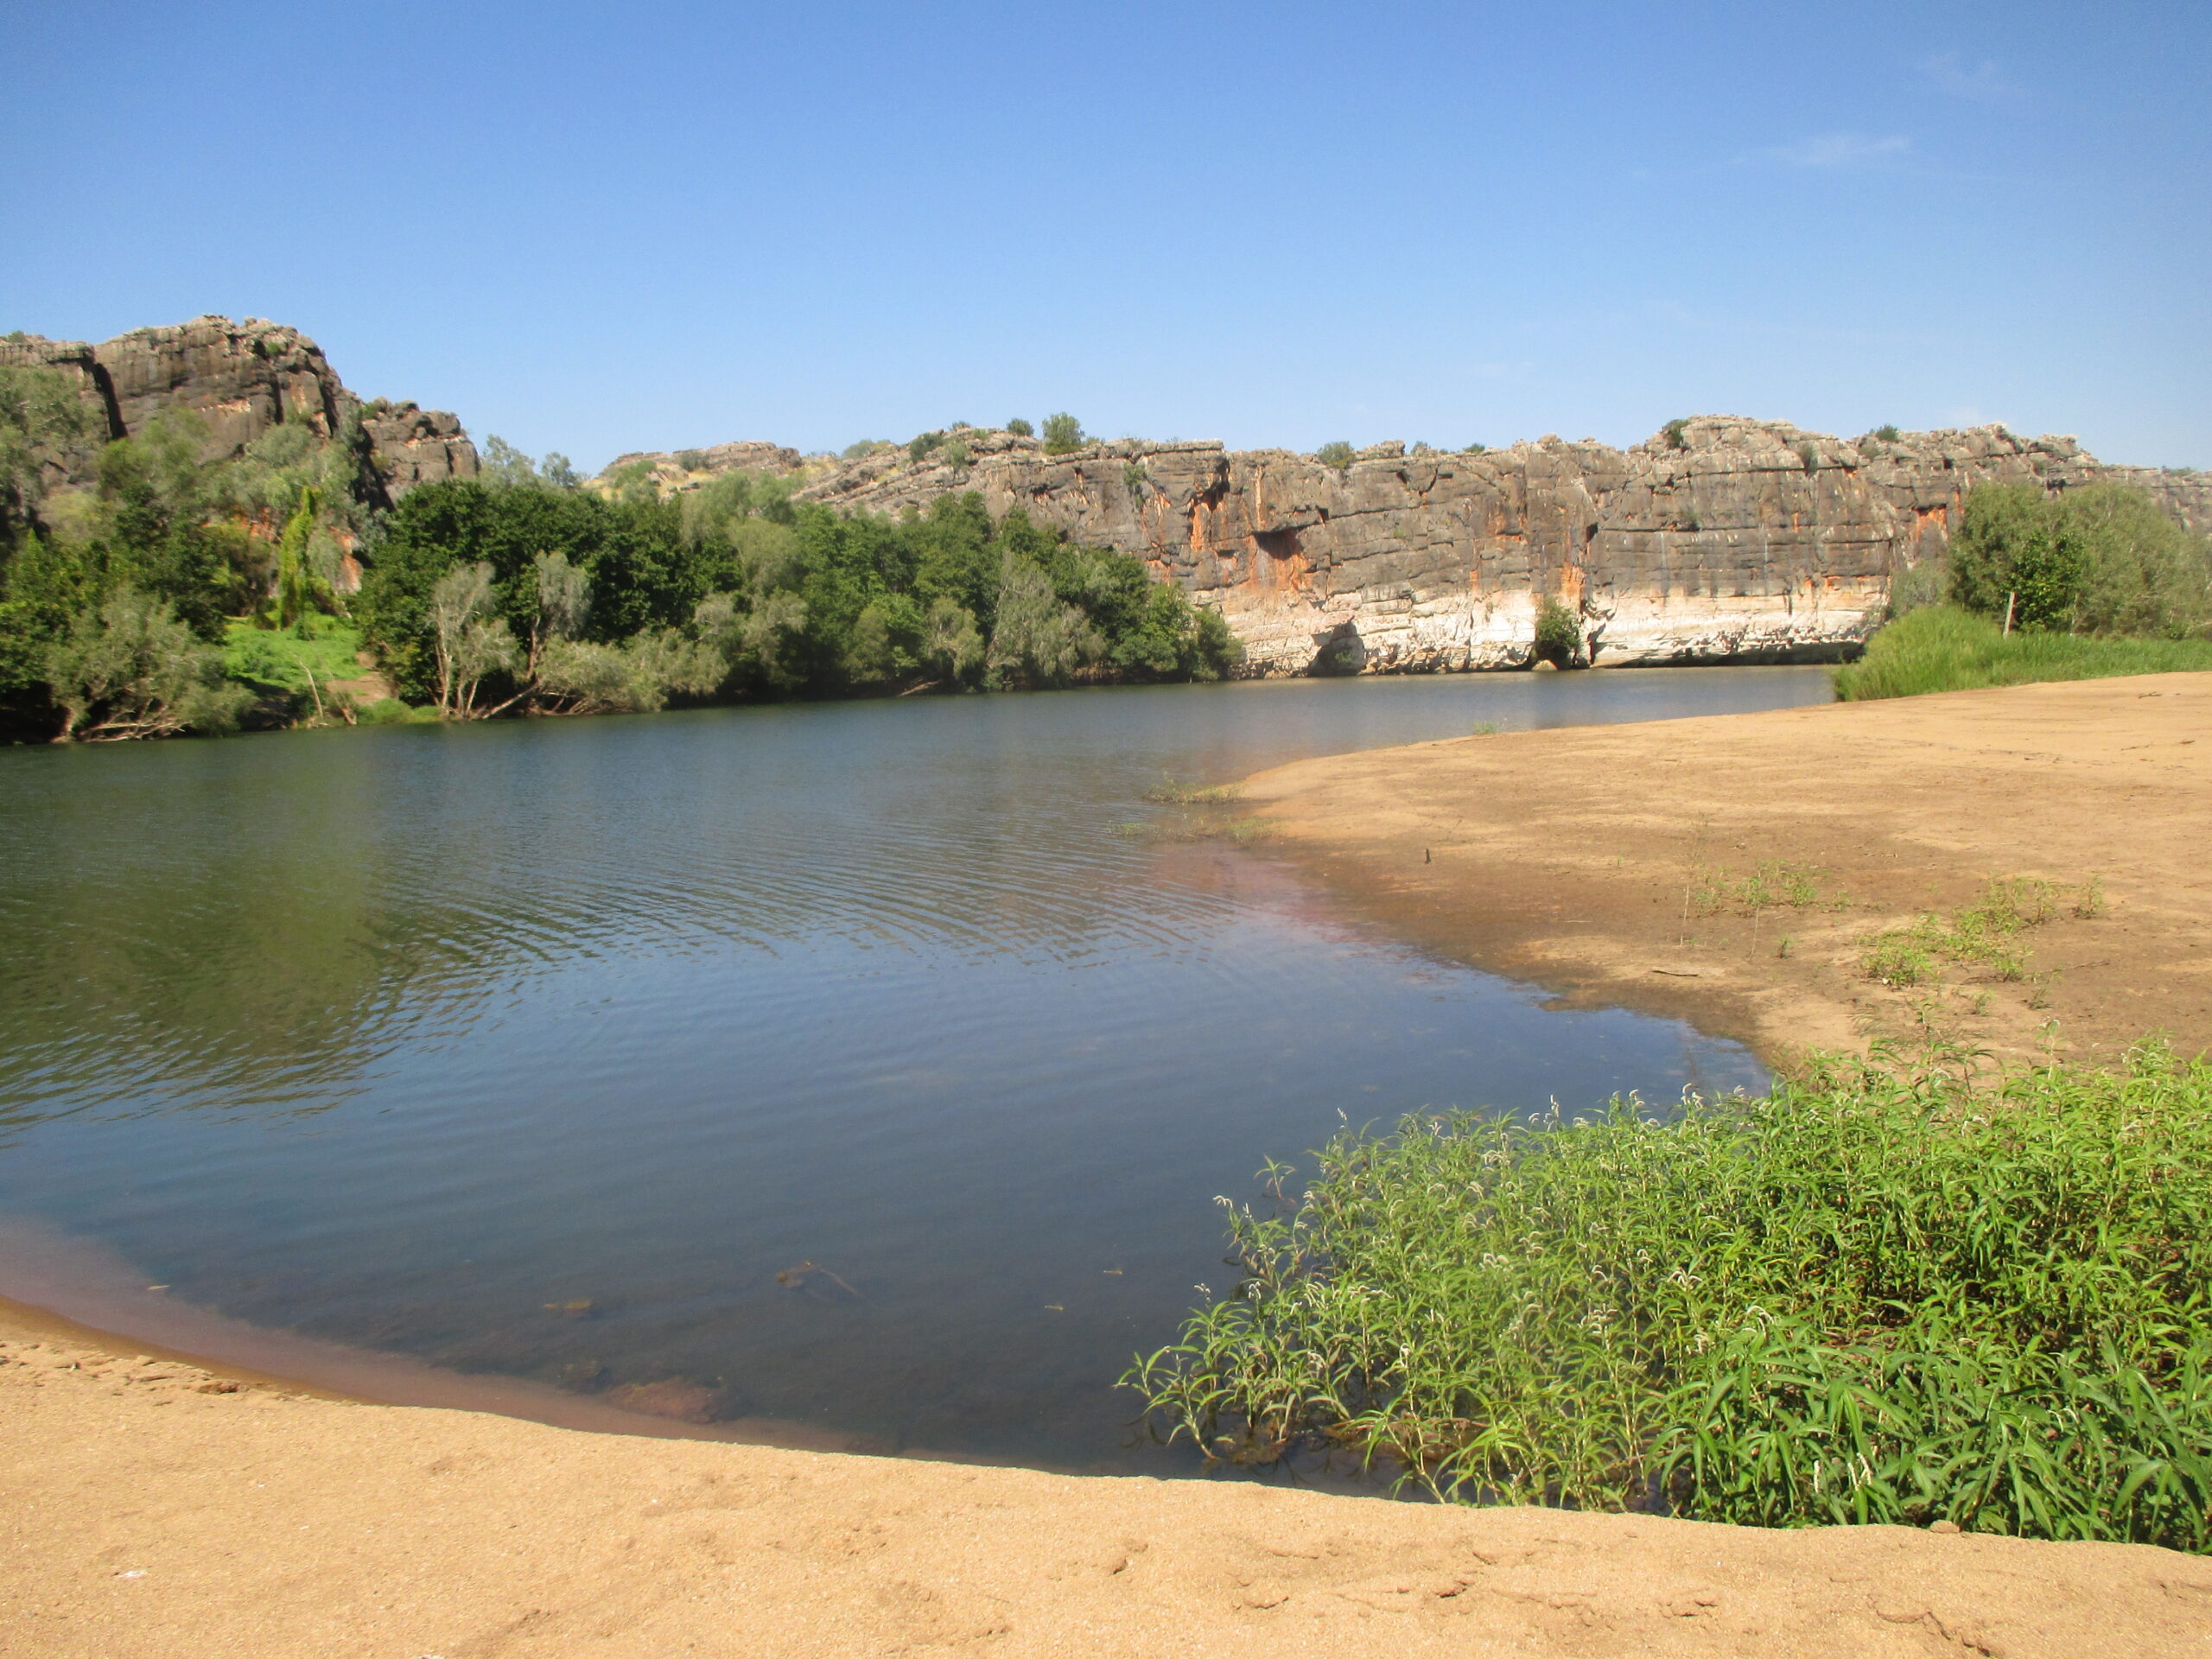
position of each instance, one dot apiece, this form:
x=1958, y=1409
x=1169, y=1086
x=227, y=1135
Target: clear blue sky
x=594, y=228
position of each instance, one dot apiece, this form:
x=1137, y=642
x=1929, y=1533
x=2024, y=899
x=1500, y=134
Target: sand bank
x=1607, y=863
x=148, y=1508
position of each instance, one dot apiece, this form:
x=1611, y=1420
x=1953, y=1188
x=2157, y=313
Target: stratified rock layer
x=243, y=378
x=1722, y=539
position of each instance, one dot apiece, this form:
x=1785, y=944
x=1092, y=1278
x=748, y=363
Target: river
x=544, y=1048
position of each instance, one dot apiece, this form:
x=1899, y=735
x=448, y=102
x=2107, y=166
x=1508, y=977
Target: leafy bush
x=1875, y=1296
x=1559, y=634
x=919, y=447
x=131, y=669
x=1943, y=648
x=1020, y=429
x=1064, y=434
x=1888, y=433
x=2104, y=559
x=1337, y=454
x=1676, y=432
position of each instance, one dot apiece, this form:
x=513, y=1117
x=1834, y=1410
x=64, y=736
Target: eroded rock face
x=242, y=379
x=413, y=446
x=1723, y=539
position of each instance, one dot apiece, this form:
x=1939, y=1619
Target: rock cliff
x=1720, y=539
x=242, y=379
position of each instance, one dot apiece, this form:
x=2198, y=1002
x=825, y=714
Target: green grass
x=1941, y=648
x=1773, y=882
x=1877, y=1295
x=1985, y=935
x=280, y=658
x=1169, y=792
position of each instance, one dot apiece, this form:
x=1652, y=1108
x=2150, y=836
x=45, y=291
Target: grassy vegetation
x=321, y=647
x=1772, y=883
x=1169, y=793
x=1987, y=935
x=1941, y=648
x=1878, y=1295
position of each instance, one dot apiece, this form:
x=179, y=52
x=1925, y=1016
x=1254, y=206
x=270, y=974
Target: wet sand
x=1598, y=862
x=151, y=1507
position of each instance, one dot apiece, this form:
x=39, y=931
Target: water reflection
x=418, y=1038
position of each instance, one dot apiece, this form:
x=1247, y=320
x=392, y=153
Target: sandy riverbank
x=149, y=1507
x=1607, y=863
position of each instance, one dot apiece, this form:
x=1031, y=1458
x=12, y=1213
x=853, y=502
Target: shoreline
x=330, y=1502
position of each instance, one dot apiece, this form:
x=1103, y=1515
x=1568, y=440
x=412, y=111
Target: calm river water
x=396, y=1037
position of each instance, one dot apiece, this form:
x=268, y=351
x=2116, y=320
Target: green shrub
x=1338, y=454
x=1943, y=648
x=1064, y=434
x=1876, y=1296
x=1888, y=433
x=1020, y=429
x=1559, y=634
x=692, y=460
x=919, y=447
x=2103, y=559
x=1676, y=432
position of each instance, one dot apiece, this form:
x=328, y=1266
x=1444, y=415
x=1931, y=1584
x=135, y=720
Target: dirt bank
x=1736, y=870
x=150, y=1508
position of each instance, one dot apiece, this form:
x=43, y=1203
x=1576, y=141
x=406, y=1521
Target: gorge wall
x=243, y=378
x=1720, y=540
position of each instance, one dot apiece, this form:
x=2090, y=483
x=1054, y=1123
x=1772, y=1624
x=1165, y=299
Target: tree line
x=153, y=599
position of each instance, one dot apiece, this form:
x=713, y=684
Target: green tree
x=1020, y=429
x=471, y=642
x=131, y=669
x=1040, y=640
x=1338, y=454
x=42, y=414
x=1064, y=434
x=300, y=590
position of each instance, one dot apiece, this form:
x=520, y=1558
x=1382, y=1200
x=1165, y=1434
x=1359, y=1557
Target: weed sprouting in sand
x=1880, y=1294
x=1985, y=936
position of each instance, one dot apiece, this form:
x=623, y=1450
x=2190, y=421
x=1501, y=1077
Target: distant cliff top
x=242, y=379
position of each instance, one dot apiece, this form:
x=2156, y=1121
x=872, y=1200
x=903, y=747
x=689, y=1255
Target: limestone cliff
x=242, y=379
x=1721, y=539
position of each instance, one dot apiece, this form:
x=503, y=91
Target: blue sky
x=598, y=228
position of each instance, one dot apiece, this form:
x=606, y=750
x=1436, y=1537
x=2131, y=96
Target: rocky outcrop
x=410, y=446
x=672, y=471
x=1720, y=539
x=241, y=380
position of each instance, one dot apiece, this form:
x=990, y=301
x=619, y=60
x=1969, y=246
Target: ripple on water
x=416, y=1039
